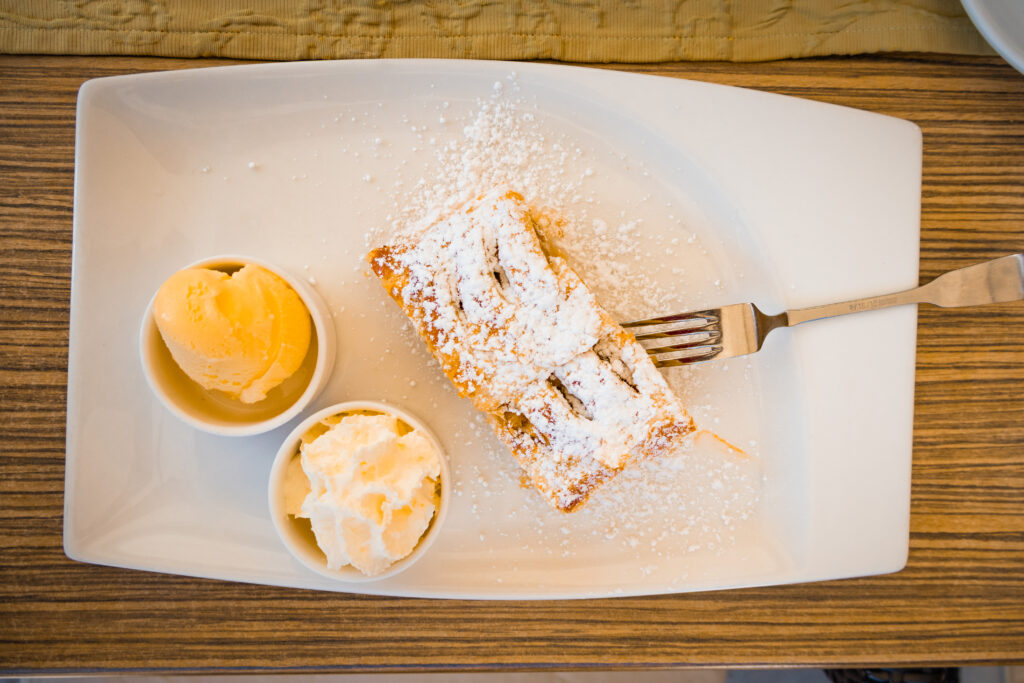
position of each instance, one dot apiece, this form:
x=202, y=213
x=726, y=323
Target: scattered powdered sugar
x=500, y=147
x=695, y=502
x=691, y=501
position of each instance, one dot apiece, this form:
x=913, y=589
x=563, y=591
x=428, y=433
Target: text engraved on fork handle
x=995, y=281
x=801, y=315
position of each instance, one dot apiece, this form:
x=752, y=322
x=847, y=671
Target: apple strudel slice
x=568, y=390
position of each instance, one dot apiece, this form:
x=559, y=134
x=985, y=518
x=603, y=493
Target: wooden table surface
x=959, y=600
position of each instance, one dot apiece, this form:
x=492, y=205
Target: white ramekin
x=220, y=414
x=296, y=533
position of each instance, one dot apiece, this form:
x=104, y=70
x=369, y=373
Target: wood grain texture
x=960, y=599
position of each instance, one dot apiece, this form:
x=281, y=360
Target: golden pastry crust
x=570, y=392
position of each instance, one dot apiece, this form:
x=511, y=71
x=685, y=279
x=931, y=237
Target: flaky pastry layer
x=571, y=393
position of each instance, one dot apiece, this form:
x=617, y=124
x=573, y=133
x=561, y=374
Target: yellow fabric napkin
x=569, y=30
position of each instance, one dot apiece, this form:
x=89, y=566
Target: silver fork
x=740, y=329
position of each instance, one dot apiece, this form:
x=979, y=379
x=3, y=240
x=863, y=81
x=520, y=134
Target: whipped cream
x=369, y=486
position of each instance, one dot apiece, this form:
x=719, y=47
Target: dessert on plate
x=568, y=390
x=241, y=333
x=369, y=484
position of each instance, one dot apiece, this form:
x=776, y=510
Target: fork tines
x=679, y=339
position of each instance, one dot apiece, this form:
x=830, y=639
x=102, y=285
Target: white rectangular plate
x=678, y=194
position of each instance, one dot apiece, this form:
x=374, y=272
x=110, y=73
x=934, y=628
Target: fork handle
x=985, y=283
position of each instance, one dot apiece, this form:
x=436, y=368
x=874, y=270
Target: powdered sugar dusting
x=696, y=501
x=701, y=495
x=499, y=146
x=519, y=333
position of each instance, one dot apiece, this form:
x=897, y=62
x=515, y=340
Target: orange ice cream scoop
x=242, y=333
